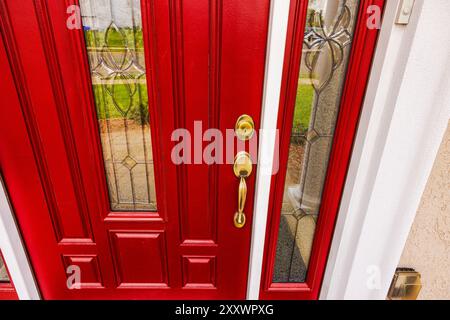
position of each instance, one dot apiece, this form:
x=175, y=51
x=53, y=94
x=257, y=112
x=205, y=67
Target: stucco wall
x=428, y=247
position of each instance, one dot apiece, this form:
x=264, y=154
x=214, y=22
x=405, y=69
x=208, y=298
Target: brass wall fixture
x=243, y=167
x=406, y=285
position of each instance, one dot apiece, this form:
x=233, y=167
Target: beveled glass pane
x=3, y=274
x=113, y=33
x=326, y=49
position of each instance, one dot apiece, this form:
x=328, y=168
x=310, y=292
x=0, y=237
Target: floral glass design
x=114, y=40
x=326, y=49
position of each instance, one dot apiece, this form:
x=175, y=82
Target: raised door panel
x=140, y=259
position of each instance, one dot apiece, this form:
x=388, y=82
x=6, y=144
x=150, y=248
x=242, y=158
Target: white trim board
x=14, y=253
x=279, y=15
x=404, y=118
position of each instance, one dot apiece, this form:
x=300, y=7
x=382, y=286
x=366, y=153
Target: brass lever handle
x=242, y=195
x=239, y=217
x=243, y=167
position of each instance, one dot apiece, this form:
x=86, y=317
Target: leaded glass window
x=326, y=49
x=114, y=40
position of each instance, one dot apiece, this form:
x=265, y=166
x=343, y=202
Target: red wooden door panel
x=204, y=62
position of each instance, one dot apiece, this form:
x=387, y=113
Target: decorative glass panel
x=3, y=274
x=326, y=49
x=113, y=33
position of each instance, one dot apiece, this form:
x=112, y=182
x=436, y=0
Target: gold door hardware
x=243, y=167
x=406, y=285
x=245, y=127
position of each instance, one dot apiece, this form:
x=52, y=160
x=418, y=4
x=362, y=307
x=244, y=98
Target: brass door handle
x=243, y=167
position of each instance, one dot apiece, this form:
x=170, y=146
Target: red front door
x=88, y=138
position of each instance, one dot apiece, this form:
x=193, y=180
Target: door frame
x=276, y=43
x=384, y=136
x=13, y=250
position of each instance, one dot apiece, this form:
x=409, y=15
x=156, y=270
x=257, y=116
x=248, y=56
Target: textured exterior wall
x=428, y=247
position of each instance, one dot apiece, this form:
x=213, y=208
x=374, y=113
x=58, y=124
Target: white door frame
x=13, y=251
x=276, y=43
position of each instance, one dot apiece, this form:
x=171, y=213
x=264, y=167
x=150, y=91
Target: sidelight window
x=326, y=49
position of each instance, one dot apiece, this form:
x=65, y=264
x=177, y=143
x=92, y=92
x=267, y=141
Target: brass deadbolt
x=245, y=127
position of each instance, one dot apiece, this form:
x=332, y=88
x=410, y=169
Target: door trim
x=14, y=253
x=276, y=42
